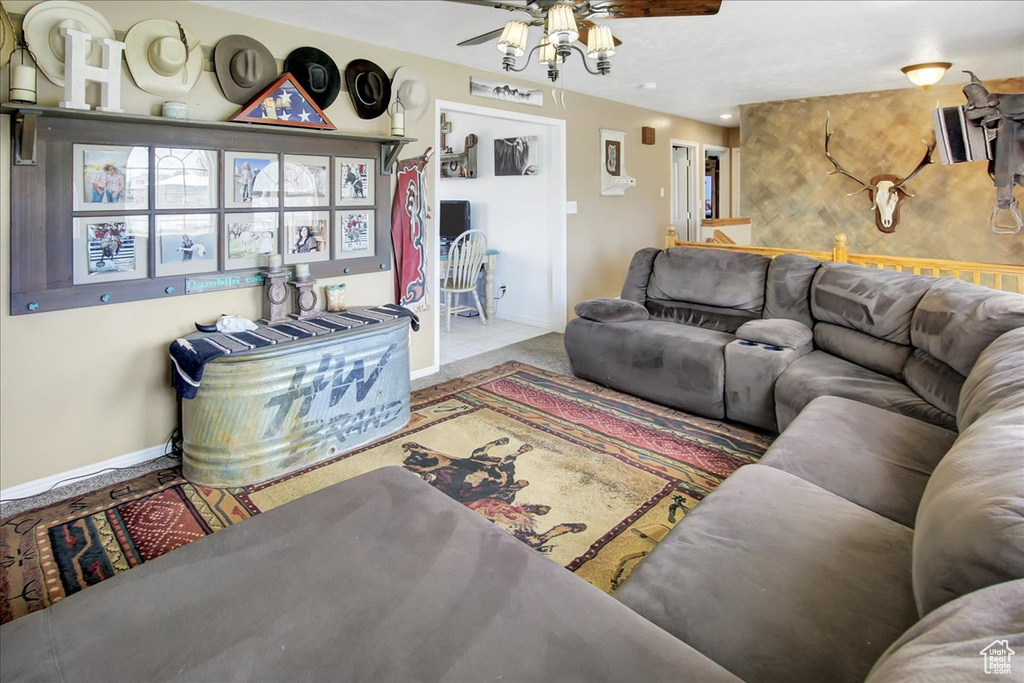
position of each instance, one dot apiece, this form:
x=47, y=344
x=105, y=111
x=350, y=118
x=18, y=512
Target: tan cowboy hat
x=163, y=57
x=244, y=67
x=409, y=85
x=42, y=27
x=8, y=40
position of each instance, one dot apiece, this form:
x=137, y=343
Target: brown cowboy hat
x=369, y=87
x=244, y=67
x=316, y=72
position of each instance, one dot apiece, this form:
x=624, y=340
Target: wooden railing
x=1003, y=276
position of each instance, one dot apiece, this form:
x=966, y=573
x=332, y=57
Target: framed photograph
x=613, y=157
x=109, y=178
x=306, y=180
x=186, y=178
x=110, y=248
x=614, y=178
x=354, y=233
x=516, y=156
x=355, y=179
x=506, y=92
x=186, y=243
x=251, y=180
x=307, y=236
x=249, y=238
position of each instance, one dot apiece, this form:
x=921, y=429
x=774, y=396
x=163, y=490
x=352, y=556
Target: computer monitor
x=455, y=218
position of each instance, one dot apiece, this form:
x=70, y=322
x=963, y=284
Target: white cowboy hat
x=7, y=37
x=42, y=25
x=163, y=57
x=409, y=85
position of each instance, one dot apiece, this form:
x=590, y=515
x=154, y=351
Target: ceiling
x=751, y=51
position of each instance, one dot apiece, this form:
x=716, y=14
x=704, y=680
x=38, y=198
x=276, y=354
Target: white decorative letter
x=77, y=71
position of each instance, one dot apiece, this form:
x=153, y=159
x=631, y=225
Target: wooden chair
x=465, y=259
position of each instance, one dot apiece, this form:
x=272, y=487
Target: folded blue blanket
x=190, y=356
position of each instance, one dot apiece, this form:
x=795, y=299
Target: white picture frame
x=248, y=238
x=185, y=178
x=506, y=92
x=312, y=245
x=110, y=249
x=186, y=243
x=307, y=180
x=252, y=180
x=110, y=178
x=354, y=233
x=355, y=180
x=614, y=179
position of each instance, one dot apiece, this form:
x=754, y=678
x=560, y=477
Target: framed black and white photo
x=306, y=180
x=354, y=234
x=307, y=236
x=506, y=92
x=186, y=178
x=110, y=248
x=355, y=180
x=516, y=156
x=110, y=178
x=249, y=238
x=186, y=243
x=251, y=180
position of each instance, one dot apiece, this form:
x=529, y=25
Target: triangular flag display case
x=285, y=103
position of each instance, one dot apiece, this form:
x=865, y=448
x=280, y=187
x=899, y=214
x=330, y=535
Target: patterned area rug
x=590, y=477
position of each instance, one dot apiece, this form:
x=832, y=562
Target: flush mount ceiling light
x=926, y=74
x=725, y=116
x=567, y=22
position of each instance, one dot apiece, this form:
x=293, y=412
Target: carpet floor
x=590, y=477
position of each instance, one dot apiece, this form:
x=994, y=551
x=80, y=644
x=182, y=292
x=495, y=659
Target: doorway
x=685, y=183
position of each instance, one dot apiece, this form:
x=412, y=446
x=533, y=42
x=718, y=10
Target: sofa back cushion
x=934, y=381
x=997, y=380
x=788, y=291
x=711, y=277
x=699, y=315
x=971, y=518
x=639, y=274
x=863, y=349
x=876, y=302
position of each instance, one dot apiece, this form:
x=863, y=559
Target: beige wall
x=793, y=203
x=81, y=386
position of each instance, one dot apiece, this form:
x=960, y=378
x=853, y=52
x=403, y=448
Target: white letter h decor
x=77, y=71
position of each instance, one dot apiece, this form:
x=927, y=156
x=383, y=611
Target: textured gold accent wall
x=793, y=203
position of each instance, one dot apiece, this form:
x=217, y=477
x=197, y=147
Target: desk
x=490, y=265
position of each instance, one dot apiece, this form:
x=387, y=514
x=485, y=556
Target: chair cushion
x=788, y=288
x=970, y=524
x=679, y=366
x=378, y=578
x=639, y=274
x=872, y=457
x=788, y=334
x=611, y=310
x=947, y=645
x=997, y=377
x=777, y=579
x=822, y=374
x=712, y=277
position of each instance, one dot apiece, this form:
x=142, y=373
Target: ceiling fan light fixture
x=926, y=74
x=600, y=44
x=561, y=25
x=547, y=54
x=513, y=39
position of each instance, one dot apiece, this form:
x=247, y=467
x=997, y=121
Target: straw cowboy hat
x=409, y=86
x=244, y=67
x=7, y=37
x=316, y=72
x=42, y=27
x=369, y=87
x=163, y=57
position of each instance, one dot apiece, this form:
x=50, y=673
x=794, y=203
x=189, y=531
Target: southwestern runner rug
x=590, y=477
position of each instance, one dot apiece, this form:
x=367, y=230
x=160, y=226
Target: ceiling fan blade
x=636, y=9
x=528, y=9
x=584, y=26
x=483, y=37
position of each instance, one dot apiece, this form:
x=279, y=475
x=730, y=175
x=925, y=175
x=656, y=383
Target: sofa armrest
x=611, y=310
x=786, y=334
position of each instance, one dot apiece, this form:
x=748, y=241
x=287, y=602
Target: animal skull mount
x=887, y=191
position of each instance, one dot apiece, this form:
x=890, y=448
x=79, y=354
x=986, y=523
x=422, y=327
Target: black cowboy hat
x=369, y=87
x=316, y=72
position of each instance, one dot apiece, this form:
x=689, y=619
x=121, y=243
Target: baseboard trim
x=524, y=321
x=423, y=372
x=44, y=484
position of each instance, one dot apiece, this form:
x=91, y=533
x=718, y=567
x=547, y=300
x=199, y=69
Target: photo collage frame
x=151, y=211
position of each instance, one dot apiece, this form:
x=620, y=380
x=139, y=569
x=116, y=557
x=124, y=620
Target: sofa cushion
x=378, y=578
x=970, y=524
x=788, y=288
x=948, y=644
x=679, y=366
x=875, y=458
x=777, y=579
x=997, y=377
x=863, y=349
x=639, y=274
x=955, y=321
x=788, y=334
x=822, y=374
x=699, y=315
x=712, y=277
x=876, y=302
x=934, y=381
x=611, y=310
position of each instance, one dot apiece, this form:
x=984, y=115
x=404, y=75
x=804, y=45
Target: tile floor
x=469, y=337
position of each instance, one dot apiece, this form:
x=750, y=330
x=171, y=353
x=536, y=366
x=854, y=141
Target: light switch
x=570, y=207
x=663, y=192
